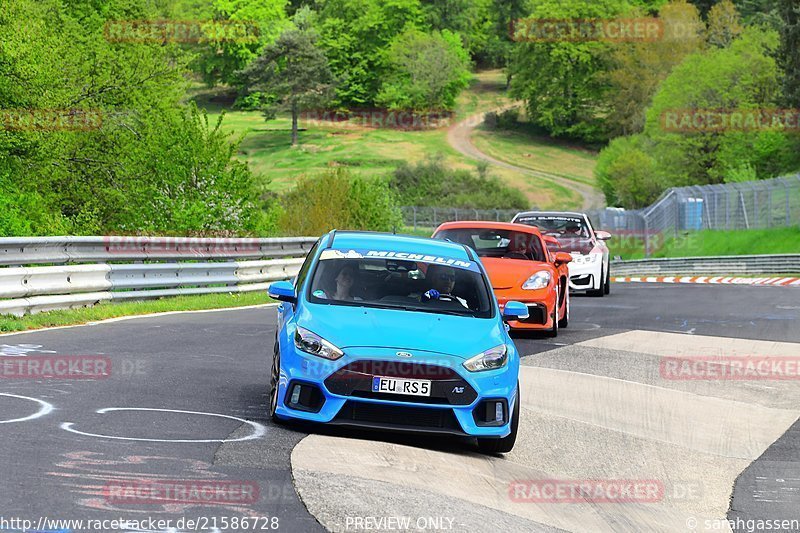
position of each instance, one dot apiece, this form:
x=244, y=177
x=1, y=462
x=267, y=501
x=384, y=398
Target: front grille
x=395, y=417
x=447, y=386
x=537, y=314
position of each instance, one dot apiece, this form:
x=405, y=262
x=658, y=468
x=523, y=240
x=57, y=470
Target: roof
x=365, y=240
x=522, y=228
x=550, y=213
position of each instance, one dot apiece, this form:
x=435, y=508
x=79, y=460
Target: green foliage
x=153, y=165
x=561, y=82
x=633, y=171
x=338, y=199
x=355, y=35
x=427, y=71
x=789, y=57
x=432, y=183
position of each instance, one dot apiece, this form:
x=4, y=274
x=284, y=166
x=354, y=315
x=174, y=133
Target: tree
x=293, y=73
x=789, y=57
x=639, y=68
x=355, y=35
x=427, y=71
x=563, y=82
x=724, y=24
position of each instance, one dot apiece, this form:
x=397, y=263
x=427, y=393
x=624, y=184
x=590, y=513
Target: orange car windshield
x=502, y=243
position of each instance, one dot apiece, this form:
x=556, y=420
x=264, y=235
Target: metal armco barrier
x=735, y=264
x=135, y=268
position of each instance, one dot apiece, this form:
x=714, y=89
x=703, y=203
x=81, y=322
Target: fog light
x=296, y=394
x=498, y=411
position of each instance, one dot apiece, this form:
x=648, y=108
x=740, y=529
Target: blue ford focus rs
x=396, y=333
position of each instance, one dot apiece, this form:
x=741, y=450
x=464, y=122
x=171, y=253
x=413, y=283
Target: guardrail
x=47, y=273
x=720, y=265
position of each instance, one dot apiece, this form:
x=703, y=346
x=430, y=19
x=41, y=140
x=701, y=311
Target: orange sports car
x=520, y=267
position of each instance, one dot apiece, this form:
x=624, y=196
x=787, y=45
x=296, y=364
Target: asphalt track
x=594, y=405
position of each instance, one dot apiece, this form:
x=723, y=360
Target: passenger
x=342, y=285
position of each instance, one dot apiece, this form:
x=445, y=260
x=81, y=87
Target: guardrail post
x=415, y=218
x=646, y=237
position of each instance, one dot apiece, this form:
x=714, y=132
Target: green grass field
x=102, y=311
x=267, y=149
x=710, y=242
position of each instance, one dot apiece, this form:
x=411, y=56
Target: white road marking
x=45, y=408
x=258, y=429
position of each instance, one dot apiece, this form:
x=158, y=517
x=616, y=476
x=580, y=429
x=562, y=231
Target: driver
x=573, y=228
x=442, y=282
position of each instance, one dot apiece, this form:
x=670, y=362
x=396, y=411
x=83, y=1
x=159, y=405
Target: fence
x=732, y=206
x=747, y=205
x=47, y=273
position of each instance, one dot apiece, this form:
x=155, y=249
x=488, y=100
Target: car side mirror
x=283, y=291
x=515, y=311
x=562, y=257
x=602, y=235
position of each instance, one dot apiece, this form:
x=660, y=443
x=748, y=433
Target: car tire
x=553, y=332
x=505, y=444
x=601, y=291
x=564, y=322
x=607, y=286
x=274, y=382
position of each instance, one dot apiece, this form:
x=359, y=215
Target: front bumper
x=586, y=276
x=338, y=392
x=540, y=307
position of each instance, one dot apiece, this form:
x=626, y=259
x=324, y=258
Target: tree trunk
x=294, y=124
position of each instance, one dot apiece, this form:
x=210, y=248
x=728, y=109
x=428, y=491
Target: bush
x=432, y=183
x=338, y=199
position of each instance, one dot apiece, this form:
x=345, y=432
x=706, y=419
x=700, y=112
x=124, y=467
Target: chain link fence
x=759, y=204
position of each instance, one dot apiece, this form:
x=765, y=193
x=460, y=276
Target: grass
x=267, y=149
x=535, y=152
x=711, y=242
x=102, y=311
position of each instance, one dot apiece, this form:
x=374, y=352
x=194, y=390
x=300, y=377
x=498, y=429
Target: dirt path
x=459, y=137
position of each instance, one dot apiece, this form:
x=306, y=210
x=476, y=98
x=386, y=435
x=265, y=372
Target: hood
x=581, y=246
x=511, y=273
x=350, y=327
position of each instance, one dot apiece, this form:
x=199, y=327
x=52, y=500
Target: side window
x=303, y=274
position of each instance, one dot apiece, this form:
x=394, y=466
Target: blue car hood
x=350, y=327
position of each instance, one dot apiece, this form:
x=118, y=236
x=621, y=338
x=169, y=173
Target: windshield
x=401, y=284
x=559, y=226
x=501, y=243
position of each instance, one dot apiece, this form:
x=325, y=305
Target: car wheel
x=274, y=381
x=564, y=322
x=601, y=291
x=506, y=444
x=553, y=332
x=607, y=286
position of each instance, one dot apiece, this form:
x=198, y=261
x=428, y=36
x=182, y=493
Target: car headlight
x=489, y=360
x=312, y=343
x=540, y=280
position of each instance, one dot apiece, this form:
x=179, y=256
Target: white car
x=590, y=269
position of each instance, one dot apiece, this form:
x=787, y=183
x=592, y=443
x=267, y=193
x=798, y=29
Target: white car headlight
x=540, y=280
x=491, y=359
x=312, y=343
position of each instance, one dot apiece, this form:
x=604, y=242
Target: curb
x=719, y=280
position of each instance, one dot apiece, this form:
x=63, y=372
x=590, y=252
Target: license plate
x=412, y=387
